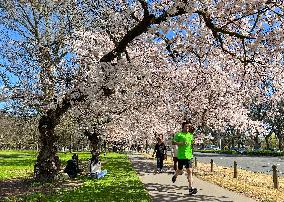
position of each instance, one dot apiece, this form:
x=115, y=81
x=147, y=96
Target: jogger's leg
x=178, y=171
x=188, y=166
x=175, y=163
x=189, y=177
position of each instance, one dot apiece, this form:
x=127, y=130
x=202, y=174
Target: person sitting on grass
x=72, y=167
x=95, y=166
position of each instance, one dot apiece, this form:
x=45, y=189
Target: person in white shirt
x=174, y=153
x=96, y=167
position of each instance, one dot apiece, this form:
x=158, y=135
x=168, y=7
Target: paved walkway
x=161, y=188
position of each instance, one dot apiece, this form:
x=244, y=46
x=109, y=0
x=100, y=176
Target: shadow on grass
x=23, y=155
x=18, y=162
x=128, y=190
x=120, y=184
x=26, y=189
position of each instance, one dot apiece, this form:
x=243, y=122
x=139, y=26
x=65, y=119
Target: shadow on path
x=146, y=166
x=160, y=186
x=162, y=192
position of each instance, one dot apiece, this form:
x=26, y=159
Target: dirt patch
x=25, y=186
x=17, y=187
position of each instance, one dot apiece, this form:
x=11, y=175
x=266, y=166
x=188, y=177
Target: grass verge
x=120, y=184
x=20, y=164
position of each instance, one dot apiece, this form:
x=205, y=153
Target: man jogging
x=184, y=140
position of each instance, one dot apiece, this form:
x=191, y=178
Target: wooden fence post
x=275, y=177
x=211, y=165
x=195, y=162
x=235, y=170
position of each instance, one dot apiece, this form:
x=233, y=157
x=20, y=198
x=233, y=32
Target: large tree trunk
x=94, y=139
x=47, y=164
x=233, y=142
x=267, y=140
x=256, y=140
x=280, y=142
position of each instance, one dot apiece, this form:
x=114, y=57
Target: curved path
x=161, y=188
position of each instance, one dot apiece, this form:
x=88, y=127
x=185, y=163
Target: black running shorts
x=187, y=163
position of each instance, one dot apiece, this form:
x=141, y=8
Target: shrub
x=218, y=151
x=264, y=153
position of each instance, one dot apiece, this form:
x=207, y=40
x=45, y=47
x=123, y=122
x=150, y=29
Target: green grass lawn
x=120, y=184
x=15, y=164
x=20, y=164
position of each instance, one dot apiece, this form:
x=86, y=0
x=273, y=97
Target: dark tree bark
x=280, y=141
x=256, y=140
x=233, y=142
x=267, y=140
x=47, y=164
x=94, y=139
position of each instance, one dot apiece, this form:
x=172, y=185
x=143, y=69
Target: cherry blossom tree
x=166, y=90
x=35, y=56
x=234, y=36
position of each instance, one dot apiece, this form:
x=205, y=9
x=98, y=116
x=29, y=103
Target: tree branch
x=145, y=7
x=209, y=23
x=140, y=28
x=150, y=19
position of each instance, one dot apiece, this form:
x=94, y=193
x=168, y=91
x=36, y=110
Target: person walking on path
x=160, y=151
x=184, y=141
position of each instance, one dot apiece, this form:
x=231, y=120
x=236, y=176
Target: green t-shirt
x=184, y=151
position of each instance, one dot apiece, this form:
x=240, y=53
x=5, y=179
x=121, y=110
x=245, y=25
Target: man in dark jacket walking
x=161, y=152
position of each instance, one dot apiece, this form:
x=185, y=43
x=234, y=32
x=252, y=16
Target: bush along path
x=161, y=188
